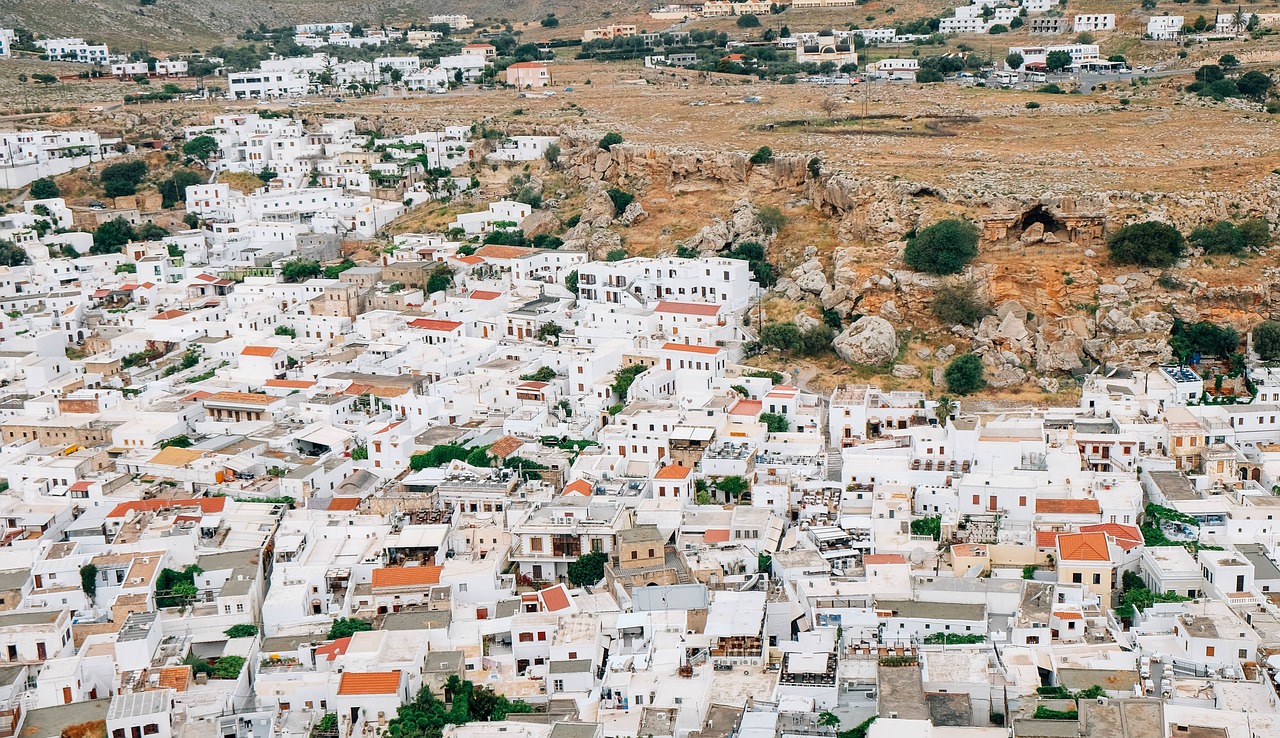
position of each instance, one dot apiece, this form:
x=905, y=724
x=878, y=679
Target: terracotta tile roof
x=716, y=535
x=206, y=278
x=344, y=503
x=244, y=398
x=168, y=315
x=82, y=486
x=884, y=559
x=175, y=677
x=428, y=324
x=470, y=259
x=1067, y=507
x=376, y=391
x=267, y=351
x=369, y=682
x=1047, y=538
x=578, y=487
x=687, y=308
x=335, y=649
x=747, y=407
x=674, y=471
x=1083, y=547
x=505, y=446
x=390, y=427
x=673, y=346
x=555, y=599
x=532, y=385
x=484, y=295
x=1127, y=536
x=1068, y=615
x=406, y=576
x=289, y=383
x=206, y=504
x=198, y=395
x=498, y=251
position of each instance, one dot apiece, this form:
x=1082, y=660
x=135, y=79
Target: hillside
x=174, y=25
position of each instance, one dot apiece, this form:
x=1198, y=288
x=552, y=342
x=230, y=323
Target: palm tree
x=944, y=409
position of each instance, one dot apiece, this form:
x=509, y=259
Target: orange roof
x=747, y=407
x=344, y=503
x=672, y=346
x=206, y=504
x=168, y=315
x=687, y=308
x=1047, y=538
x=1127, y=536
x=369, y=682
x=505, y=446
x=484, y=295
x=884, y=559
x=335, y=649
x=175, y=677
x=498, y=251
x=578, y=487
x=289, y=383
x=1067, y=507
x=428, y=324
x=406, y=576
x=674, y=471
x=1068, y=615
x=83, y=485
x=1083, y=547
x=242, y=397
x=267, y=351
x=377, y=391
x=470, y=259
x=716, y=535
x=555, y=598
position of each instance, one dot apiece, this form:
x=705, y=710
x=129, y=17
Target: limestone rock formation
x=871, y=340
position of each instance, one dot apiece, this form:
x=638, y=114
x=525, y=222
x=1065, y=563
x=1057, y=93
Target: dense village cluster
x=470, y=488
x=315, y=427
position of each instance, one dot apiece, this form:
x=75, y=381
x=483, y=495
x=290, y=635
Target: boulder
x=1034, y=232
x=1115, y=321
x=871, y=340
x=889, y=311
x=812, y=282
x=1156, y=322
x=1048, y=384
x=539, y=222
x=633, y=214
x=1012, y=328
x=905, y=371
x=1007, y=376
x=805, y=321
x=597, y=206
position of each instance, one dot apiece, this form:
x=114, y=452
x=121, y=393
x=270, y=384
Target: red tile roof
x=716, y=535
x=578, y=487
x=884, y=559
x=369, y=682
x=406, y=576
x=1047, y=538
x=674, y=471
x=687, y=308
x=1068, y=615
x=83, y=485
x=335, y=649
x=470, y=259
x=747, y=407
x=267, y=351
x=484, y=295
x=168, y=315
x=344, y=503
x=1067, y=507
x=505, y=446
x=1127, y=536
x=499, y=251
x=289, y=383
x=555, y=599
x=206, y=505
x=429, y=324
x=1083, y=547
x=673, y=346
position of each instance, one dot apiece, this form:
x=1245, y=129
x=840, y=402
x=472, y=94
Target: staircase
x=835, y=463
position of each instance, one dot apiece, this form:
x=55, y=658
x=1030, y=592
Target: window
x=1208, y=650
x=526, y=638
x=535, y=544
x=1077, y=578
x=1097, y=579
x=557, y=685
x=542, y=635
x=1244, y=653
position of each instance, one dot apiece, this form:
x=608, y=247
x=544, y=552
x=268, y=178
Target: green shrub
x=964, y=375
x=1149, y=243
x=945, y=247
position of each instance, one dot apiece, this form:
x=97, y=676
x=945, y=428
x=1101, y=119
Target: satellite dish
x=918, y=556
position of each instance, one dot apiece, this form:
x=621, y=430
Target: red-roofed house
x=257, y=364
x=698, y=323
x=1089, y=559
x=556, y=599
x=403, y=586
x=578, y=487
x=716, y=535
x=528, y=74
x=363, y=699
x=675, y=481
x=437, y=331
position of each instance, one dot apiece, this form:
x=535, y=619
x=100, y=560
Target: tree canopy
x=1150, y=243
x=945, y=247
x=964, y=375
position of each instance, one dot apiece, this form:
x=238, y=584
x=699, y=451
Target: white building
x=456, y=22
x=1094, y=22
x=1165, y=27
x=74, y=50
x=7, y=37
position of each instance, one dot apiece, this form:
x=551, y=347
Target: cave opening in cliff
x=1038, y=214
